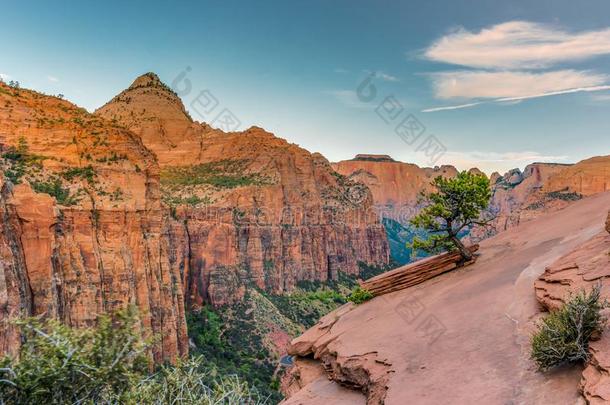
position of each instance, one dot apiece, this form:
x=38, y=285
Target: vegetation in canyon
x=108, y=363
x=563, y=336
x=246, y=339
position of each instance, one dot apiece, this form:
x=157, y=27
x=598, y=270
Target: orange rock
x=104, y=249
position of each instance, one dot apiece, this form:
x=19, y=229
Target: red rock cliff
x=99, y=244
x=249, y=207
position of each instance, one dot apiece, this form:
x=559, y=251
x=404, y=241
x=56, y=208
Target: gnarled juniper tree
x=455, y=205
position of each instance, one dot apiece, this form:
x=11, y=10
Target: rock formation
x=471, y=326
x=100, y=244
x=581, y=269
x=250, y=206
x=138, y=204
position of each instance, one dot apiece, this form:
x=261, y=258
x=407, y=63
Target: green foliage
x=20, y=160
x=57, y=364
x=55, y=189
x=86, y=173
x=307, y=307
x=563, y=336
x=360, y=295
x=231, y=342
x=189, y=383
x=455, y=206
x=220, y=174
x=192, y=200
x=108, y=364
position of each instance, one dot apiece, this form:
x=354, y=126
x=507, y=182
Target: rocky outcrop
x=395, y=186
x=581, y=269
x=588, y=177
x=366, y=372
x=398, y=346
x=98, y=243
x=250, y=207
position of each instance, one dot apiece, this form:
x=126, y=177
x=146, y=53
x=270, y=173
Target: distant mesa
x=373, y=158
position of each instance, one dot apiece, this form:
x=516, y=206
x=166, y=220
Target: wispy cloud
x=520, y=98
x=341, y=70
x=4, y=76
x=451, y=107
x=518, y=44
x=52, y=79
x=387, y=77
x=483, y=84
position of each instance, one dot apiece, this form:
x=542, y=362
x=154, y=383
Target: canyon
x=399, y=347
x=137, y=204
x=516, y=196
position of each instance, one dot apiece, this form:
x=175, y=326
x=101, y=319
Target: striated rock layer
x=471, y=326
x=97, y=246
x=250, y=207
x=138, y=204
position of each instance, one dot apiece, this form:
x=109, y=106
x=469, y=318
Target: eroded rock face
x=579, y=270
x=96, y=246
x=365, y=372
x=395, y=186
x=250, y=207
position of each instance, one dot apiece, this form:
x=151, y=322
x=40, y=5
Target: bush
x=360, y=295
x=108, y=364
x=58, y=364
x=187, y=384
x=563, y=336
x=55, y=188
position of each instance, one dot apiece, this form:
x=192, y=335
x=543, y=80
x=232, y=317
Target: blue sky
x=524, y=82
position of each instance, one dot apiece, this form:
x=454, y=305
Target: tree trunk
x=464, y=251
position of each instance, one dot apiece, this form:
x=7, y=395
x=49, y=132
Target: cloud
x=518, y=45
x=482, y=84
x=498, y=161
x=53, y=79
x=341, y=70
x=514, y=100
x=451, y=107
x=5, y=77
x=386, y=77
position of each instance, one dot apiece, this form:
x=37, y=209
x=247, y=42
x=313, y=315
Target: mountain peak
x=149, y=79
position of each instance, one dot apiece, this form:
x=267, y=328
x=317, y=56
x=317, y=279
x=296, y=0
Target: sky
x=489, y=84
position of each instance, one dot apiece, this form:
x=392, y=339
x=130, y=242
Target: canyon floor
x=462, y=337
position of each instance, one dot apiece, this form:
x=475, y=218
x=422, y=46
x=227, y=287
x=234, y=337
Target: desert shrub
x=563, y=336
x=186, y=383
x=107, y=364
x=360, y=295
x=86, y=173
x=57, y=364
x=55, y=189
x=19, y=160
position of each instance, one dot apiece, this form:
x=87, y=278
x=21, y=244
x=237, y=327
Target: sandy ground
x=463, y=337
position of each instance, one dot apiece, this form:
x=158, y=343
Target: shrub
x=108, y=364
x=563, y=336
x=360, y=295
x=55, y=188
x=58, y=364
x=187, y=384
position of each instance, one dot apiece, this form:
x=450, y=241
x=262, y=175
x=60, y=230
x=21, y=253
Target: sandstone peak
x=149, y=79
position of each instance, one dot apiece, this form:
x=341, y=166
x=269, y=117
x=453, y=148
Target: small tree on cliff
x=455, y=206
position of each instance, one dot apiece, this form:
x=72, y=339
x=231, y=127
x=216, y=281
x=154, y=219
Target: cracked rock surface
x=460, y=338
